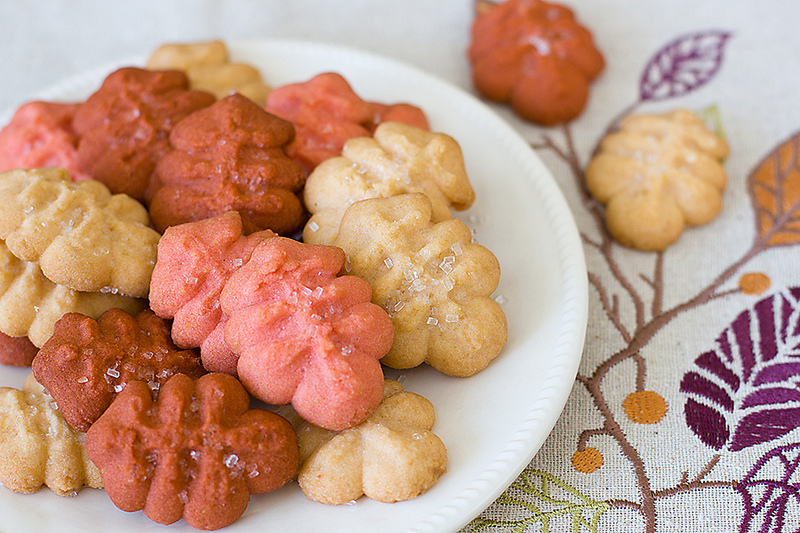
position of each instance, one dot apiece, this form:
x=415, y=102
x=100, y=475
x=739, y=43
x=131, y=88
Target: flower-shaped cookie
x=31, y=304
x=392, y=456
x=326, y=112
x=656, y=175
x=195, y=261
x=536, y=56
x=399, y=159
x=229, y=156
x=81, y=235
x=198, y=452
x=123, y=127
x=431, y=278
x=305, y=335
x=209, y=68
x=40, y=135
x=86, y=363
x=38, y=447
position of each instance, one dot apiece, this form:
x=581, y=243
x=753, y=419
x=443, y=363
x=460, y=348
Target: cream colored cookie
x=399, y=159
x=209, y=68
x=657, y=175
x=82, y=236
x=38, y=447
x=431, y=278
x=31, y=304
x=392, y=456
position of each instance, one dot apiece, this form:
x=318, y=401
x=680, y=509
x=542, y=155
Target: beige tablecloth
x=684, y=412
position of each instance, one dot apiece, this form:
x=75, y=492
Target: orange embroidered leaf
x=774, y=188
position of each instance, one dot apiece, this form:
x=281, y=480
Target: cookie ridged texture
x=229, y=156
x=305, y=335
x=392, y=456
x=87, y=362
x=82, y=236
x=195, y=261
x=433, y=281
x=31, y=304
x=197, y=452
x=124, y=126
x=326, y=112
x=38, y=447
x=657, y=175
x=399, y=159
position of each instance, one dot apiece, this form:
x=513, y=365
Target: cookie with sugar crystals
x=37, y=445
x=87, y=362
x=81, y=235
x=392, y=456
x=31, y=304
x=196, y=452
x=430, y=277
x=398, y=159
x=657, y=175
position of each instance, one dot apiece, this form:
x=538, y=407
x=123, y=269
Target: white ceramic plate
x=492, y=423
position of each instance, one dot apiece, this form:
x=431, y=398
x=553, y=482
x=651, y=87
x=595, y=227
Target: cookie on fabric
x=657, y=175
x=31, y=304
x=196, y=452
x=399, y=159
x=392, y=456
x=430, y=277
x=536, y=56
x=82, y=236
x=87, y=362
x=209, y=68
x=38, y=447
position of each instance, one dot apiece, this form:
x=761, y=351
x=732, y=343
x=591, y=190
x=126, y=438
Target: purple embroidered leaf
x=694, y=382
x=746, y=390
x=764, y=426
x=777, y=373
x=707, y=423
x=683, y=65
x=771, y=490
x=771, y=396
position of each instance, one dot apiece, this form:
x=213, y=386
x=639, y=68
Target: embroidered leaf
x=746, y=391
x=774, y=188
x=682, y=65
x=771, y=490
x=537, y=497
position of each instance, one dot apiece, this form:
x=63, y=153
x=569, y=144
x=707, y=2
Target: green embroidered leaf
x=537, y=497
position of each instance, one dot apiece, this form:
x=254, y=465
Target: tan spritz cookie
x=399, y=159
x=38, y=447
x=431, y=278
x=82, y=236
x=209, y=68
x=657, y=175
x=392, y=456
x=31, y=304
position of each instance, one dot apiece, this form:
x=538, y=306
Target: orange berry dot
x=644, y=407
x=754, y=283
x=587, y=460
